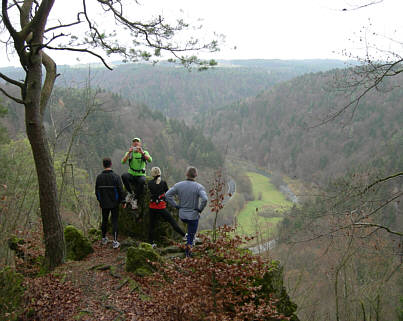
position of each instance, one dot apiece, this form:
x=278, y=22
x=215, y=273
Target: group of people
x=110, y=194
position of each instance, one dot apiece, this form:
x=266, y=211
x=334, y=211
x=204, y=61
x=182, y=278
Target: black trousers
x=138, y=183
x=155, y=215
x=114, y=218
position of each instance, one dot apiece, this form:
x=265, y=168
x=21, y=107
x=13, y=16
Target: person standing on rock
x=109, y=192
x=137, y=158
x=158, y=206
x=189, y=193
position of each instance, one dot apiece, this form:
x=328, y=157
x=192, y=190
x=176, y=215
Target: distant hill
x=271, y=129
x=297, y=66
x=179, y=93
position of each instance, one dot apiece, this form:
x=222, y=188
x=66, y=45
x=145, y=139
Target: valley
x=261, y=215
x=256, y=122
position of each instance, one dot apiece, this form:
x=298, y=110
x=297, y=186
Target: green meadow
x=267, y=199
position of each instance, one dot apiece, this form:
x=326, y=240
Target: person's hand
x=140, y=150
x=131, y=149
x=124, y=205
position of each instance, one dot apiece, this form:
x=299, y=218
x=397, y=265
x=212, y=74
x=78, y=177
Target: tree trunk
x=50, y=214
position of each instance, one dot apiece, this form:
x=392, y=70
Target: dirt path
x=106, y=291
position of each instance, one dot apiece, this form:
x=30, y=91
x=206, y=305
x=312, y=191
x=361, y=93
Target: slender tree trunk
x=50, y=214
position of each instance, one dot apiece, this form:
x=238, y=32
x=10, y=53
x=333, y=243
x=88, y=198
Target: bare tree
x=25, y=23
x=379, y=58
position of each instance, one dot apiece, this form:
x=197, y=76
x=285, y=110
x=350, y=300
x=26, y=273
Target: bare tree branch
x=363, y=6
x=82, y=50
x=11, y=81
x=17, y=100
x=357, y=221
x=381, y=180
x=6, y=20
x=378, y=226
x=381, y=71
x=66, y=25
x=53, y=38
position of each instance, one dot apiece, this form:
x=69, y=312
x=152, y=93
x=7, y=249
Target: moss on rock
x=14, y=243
x=146, y=246
x=141, y=271
x=11, y=294
x=128, y=242
x=94, y=235
x=77, y=245
x=272, y=283
x=138, y=260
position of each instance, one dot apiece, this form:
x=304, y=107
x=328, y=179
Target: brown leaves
x=48, y=298
x=218, y=284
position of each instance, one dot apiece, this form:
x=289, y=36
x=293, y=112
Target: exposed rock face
x=272, y=284
x=134, y=223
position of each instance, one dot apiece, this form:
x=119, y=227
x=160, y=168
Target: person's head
x=136, y=142
x=191, y=172
x=156, y=174
x=107, y=162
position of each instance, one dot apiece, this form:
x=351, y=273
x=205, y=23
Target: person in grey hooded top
x=192, y=201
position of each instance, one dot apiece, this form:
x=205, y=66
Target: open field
x=267, y=197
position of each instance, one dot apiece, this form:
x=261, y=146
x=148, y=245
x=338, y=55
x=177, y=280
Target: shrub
x=11, y=294
x=221, y=282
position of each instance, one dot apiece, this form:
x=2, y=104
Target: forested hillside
x=273, y=128
x=296, y=213
x=94, y=124
x=179, y=93
x=341, y=247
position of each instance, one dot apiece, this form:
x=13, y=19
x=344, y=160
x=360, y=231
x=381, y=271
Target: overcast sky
x=276, y=29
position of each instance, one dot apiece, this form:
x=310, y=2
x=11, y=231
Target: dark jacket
x=157, y=191
x=108, y=189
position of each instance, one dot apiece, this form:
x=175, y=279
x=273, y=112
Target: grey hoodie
x=189, y=193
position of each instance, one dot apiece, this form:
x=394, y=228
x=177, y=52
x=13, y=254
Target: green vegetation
x=139, y=259
x=19, y=200
x=102, y=124
x=11, y=294
x=77, y=245
x=276, y=123
x=348, y=263
x=267, y=197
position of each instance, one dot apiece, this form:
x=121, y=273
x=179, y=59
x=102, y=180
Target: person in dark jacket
x=158, y=209
x=109, y=192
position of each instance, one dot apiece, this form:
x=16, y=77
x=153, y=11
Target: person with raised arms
x=137, y=158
